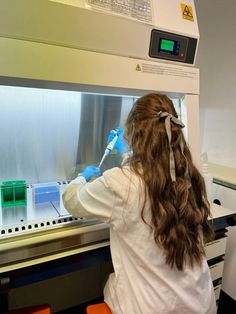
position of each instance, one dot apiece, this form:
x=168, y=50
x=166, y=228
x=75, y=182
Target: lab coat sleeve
x=91, y=200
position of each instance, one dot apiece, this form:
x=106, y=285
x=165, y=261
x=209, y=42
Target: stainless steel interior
x=49, y=135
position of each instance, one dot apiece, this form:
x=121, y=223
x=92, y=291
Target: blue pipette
x=109, y=147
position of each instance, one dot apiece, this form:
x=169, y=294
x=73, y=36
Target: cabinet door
x=215, y=248
x=217, y=270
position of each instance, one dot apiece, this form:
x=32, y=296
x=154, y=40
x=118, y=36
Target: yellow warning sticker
x=187, y=12
x=138, y=68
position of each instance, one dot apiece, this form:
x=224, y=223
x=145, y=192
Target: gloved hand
x=121, y=146
x=90, y=172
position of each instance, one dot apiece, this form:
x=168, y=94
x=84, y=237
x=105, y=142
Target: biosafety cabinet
x=70, y=71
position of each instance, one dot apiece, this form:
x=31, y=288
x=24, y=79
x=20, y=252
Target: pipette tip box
x=46, y=193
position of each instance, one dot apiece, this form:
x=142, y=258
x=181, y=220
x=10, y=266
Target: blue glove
x=121, y=146
x=90, y=172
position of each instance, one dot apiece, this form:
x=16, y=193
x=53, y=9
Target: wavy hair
x=180, y=209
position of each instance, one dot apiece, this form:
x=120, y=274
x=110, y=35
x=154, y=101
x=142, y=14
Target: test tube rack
x=13, y=193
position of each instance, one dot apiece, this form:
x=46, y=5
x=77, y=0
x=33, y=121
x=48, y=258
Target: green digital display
x=167, y=45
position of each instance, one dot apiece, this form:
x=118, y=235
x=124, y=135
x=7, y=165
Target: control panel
x=172, y=47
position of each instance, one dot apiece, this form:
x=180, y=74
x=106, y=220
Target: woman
x=157, y=209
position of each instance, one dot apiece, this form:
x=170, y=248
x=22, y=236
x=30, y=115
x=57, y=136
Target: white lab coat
x=142, y=283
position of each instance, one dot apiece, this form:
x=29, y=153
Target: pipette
x=109, y=147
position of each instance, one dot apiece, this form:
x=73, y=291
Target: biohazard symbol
x=187, y=12
x=138, y=68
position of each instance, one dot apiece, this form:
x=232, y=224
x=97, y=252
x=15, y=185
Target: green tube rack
x=13, y=193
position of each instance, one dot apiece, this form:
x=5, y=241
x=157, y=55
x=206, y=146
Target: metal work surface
x=229, y=185
x=41, y=246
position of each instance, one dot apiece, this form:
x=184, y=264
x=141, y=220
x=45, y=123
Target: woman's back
x=143, y=283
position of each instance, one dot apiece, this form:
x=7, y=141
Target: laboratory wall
x=216, y=60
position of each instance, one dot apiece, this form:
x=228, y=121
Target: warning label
x=187, y=12
x=140, y=10
x=169, y=71
x=138, y=67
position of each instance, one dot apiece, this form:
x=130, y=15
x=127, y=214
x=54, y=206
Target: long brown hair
x=180, y=209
